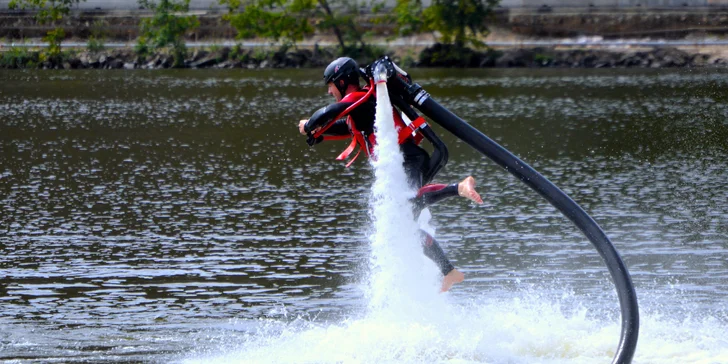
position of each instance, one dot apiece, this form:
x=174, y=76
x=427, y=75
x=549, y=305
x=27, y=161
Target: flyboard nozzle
x=380, y=72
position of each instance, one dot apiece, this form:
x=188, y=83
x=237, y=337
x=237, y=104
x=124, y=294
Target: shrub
x=166, y=28
x=48, y=12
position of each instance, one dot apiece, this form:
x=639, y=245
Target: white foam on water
x=408, y=321
x=493, y=327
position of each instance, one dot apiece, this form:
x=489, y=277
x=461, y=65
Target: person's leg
x=433, y=251
x=433, y=193
x=414, y=163
x=466, y=188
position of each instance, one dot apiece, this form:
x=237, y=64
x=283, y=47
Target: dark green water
x=148, y=215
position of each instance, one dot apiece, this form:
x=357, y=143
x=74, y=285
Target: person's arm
x=324, y=116
x=339, y=127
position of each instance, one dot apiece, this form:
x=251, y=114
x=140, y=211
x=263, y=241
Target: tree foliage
x=95, y=42
x=289, y=21
x=278, y=20
x=341, y=16
x=166, y=28
x=48, y=12
x=458, y=22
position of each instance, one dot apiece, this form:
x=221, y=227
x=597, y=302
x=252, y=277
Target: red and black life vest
x=367, y=142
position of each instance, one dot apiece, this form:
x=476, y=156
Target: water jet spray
x=406, y=94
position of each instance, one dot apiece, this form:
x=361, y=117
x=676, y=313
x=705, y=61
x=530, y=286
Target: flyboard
x=406, y=94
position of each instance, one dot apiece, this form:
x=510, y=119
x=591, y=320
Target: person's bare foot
x=466, y=188
x=455, y=276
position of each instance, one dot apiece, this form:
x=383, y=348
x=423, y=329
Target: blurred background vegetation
x=301, y=33
x=282, y=24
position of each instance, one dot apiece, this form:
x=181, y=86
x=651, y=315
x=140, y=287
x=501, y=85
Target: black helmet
x=342, y=72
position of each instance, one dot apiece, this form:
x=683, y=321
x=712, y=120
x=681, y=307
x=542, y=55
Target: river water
x=177, y=216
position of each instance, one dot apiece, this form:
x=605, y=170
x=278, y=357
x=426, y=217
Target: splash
x=400, y=278
x=409, y=322
x=491, y=327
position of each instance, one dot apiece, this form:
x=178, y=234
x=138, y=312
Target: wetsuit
x=417, y=163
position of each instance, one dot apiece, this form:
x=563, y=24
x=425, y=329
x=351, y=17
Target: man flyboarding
x=406, y=95
x=352, y=116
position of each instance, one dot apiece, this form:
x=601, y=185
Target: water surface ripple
x=148, y=213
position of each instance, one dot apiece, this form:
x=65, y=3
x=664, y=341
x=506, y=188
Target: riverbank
x=436, y=55
x=592, y=37
x=668, y=22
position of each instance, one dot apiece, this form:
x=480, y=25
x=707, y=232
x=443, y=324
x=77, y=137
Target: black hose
x=625, y=289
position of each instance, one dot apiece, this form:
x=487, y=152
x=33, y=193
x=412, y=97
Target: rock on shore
x=438, y=55
x=441, y=55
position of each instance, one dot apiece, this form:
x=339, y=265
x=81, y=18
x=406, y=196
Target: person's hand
x=302, y=126
x=313, y=141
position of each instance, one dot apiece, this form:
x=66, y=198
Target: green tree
x=95, y=41
x=48, y=12
x=341, y=17
x=166, y=28
x=458, y=22
x=278, y=20
x=290, y=21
